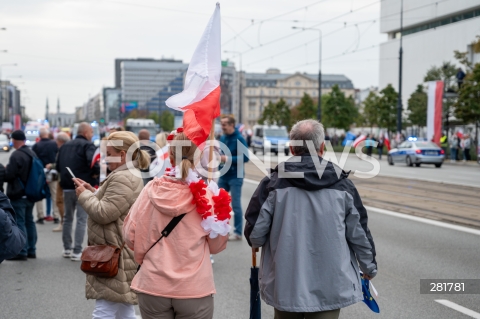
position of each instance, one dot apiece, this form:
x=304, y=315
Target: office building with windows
x=432, y=31
x=260, y=88
x=147, y=84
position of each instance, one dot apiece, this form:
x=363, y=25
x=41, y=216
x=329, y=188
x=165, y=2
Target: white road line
x=410, y=217
x=459, y=308
x=424, y=220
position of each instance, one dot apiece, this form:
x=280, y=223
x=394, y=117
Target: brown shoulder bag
x=101, y=260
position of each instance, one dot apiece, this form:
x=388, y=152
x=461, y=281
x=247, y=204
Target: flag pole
x=211, y=138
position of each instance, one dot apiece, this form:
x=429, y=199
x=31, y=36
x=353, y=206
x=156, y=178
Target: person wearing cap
x=16, y=174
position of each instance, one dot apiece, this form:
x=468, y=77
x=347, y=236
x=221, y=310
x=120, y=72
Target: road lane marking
x=424, y=220
x=410, y=217
x=459, y=308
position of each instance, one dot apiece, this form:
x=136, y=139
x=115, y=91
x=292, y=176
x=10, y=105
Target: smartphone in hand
x=70, y=171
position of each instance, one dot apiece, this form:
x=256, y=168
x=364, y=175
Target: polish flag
x=386, y=140
x=434, y=111
x=200, y=99
x=96, y=157
x=359, y=139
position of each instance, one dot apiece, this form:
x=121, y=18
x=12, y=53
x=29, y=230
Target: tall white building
x=432, y=30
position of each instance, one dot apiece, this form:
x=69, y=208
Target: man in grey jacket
x=311, y=224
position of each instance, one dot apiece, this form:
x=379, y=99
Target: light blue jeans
x=234, y=186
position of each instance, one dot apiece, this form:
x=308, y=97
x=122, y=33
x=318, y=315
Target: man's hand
x=48, y=166
x=367, y=277
x=223, y=159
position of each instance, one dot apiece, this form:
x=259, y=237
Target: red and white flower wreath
x=216, y=222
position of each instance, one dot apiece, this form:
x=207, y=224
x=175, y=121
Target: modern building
x=80, y=113
x=112, y=102
x=147, y=84
x=260, y=88
x=10, y=101
x=432, y=31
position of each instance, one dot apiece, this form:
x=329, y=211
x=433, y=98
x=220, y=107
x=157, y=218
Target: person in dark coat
x=12, y=239
x=146, y=145
x=77, y=155
x=16, y=174
x=46, y=150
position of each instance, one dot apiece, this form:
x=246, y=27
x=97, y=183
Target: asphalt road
x=455, y=174
x=53, y=287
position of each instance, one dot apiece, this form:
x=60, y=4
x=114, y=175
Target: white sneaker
x=234, y=237
x=76, y=257
x=67, y=253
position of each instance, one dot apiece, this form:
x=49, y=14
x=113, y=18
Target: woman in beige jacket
x=107, y=207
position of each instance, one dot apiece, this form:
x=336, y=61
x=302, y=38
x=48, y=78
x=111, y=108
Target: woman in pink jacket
x=176, y=276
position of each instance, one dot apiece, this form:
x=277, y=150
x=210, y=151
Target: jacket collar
x=124, y=167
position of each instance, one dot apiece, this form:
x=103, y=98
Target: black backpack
x=36, y=188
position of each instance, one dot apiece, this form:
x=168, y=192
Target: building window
x=298, y=83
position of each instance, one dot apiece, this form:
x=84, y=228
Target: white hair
x=43, y=132
x=307, y=130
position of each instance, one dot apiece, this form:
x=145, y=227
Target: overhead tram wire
x=272, y=18
x=334, y=56
x=311, y=41
x=313, y=26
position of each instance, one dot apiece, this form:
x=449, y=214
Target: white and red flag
x=359, y=139
x=386, y=140
x=96, y=157
x=200, y=99
x=434, y=111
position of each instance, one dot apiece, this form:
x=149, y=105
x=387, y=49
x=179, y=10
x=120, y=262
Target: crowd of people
x=313, y=230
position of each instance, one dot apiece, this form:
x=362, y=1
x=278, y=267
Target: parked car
x=4, y=143
x=270, y=137
x=417, y=153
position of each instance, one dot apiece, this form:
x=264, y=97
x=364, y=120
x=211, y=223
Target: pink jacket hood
x=170, y=197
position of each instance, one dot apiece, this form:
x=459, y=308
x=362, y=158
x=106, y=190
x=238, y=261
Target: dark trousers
x=331, y=314
x=24, y=213
x=466, y=154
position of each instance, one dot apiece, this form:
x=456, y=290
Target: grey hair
x=63, y=137
x=43, y=132
x=307, y=130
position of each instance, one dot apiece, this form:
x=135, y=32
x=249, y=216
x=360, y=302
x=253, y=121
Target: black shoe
x=32, y=256
x=56, y=220
x=18, y=257
x=40, y=221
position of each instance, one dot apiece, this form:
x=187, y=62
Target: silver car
x=417, y=153
x=4, y=143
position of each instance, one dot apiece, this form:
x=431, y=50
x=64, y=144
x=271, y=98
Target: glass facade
x=442, y=22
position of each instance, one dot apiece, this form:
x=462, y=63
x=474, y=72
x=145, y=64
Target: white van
x=269, y=137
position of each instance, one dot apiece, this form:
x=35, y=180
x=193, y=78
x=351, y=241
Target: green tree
x=446, y=72
x=370, y=110
x=387, y=108
x=306, y=109
x=467, y=107
x=276, y=113
x=167, y=121
x=155, y=117
x=338, y=110
x=417, y=107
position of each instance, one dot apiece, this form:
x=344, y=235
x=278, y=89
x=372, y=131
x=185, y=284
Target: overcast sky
x=66, y=48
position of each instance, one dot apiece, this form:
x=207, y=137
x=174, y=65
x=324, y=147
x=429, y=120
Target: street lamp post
x=239, y=85
x=319, y=109
x=400, y=62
